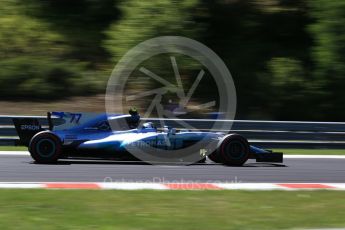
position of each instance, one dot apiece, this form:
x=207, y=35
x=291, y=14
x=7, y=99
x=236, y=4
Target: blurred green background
x=287, y=57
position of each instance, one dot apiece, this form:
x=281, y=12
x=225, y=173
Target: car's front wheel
x=45, y=147
x=233, y=150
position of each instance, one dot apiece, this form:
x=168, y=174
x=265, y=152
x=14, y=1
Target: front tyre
x=233, y=150
x=45, y=147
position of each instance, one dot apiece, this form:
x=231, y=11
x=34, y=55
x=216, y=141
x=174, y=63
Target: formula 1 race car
x=99, y=138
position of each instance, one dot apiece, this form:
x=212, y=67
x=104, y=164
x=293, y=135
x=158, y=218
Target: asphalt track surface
x=19, y=168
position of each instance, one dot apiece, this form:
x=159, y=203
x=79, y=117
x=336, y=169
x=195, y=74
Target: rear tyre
x=45, y=147
x=233, y=150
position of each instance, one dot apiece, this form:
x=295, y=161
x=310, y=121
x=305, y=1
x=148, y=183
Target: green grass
x=57, y=209
x=312, y=151
x=13, y=148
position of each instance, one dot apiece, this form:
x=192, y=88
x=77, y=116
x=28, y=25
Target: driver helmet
x=133, y=111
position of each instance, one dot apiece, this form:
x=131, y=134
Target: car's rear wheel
x=233, y=150
x=45, y=147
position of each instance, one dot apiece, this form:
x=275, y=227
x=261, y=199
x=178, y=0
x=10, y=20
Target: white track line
x=314, y=156
x=14, y=153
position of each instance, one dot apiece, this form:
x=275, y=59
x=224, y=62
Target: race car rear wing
x=26, y=128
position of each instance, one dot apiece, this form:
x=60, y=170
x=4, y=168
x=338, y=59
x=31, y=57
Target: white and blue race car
x=115, y=136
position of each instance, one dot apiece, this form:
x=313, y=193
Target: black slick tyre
x=45, y=147
x=233, y=150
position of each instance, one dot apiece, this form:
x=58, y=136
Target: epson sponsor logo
x=30, y=127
